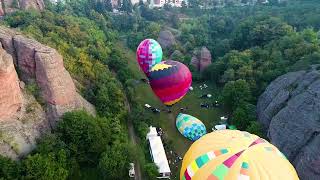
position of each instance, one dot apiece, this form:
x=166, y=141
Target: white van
x=131, y=170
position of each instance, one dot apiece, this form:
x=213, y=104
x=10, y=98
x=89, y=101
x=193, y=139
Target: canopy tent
x=158, y=153
x=220, y=127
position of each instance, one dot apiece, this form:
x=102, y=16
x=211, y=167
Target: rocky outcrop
x=22, y=119
x=25, y=53
x=32, y=4
x=9, y=6
x=7, y=41
x=201, y=59
x=166, y=39
x=19, y=133
x=56, y=83
x=44, y=65
x=289, y=110
x=10, y=94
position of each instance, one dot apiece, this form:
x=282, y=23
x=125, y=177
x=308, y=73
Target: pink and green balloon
x=149, y=53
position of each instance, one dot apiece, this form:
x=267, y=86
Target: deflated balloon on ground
x=190, y=127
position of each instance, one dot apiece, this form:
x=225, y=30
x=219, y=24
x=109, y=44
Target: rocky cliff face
x=10, y=94
x=289, y=110
x=22, y=119
x=201, y=59
x=166, y=39
x=9, y=6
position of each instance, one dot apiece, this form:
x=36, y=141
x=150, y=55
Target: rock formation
x=9, y=6
x=22, y=119
x=201, y=59
x=18, y=134
x=10, y=94
x=289, y=110
x=166, y=39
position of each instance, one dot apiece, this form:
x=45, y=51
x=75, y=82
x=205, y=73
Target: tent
x=158, y=154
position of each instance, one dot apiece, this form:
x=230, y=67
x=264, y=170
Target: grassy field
x=165, y=120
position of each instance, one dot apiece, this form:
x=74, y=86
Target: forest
x=250, y=46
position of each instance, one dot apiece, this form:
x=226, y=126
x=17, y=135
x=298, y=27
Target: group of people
x=173, y=157
x=184, y=109
x=209, y=105
x=174, y=160
x=160, y=132
x=204, y=86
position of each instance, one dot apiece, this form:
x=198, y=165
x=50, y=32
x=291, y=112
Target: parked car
x=131, y=170
x=147, y=106
x=145, y=80
x=203, y=96
x=204, y=105
x=155, y=110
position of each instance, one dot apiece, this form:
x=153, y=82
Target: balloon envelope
x=149, y=53
x=190, y=127
x=170, y=81
x=235, y=155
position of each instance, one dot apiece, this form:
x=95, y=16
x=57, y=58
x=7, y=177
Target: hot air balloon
x=149, y=53
x=190, y=127
x=235, y=155
x=170, y=81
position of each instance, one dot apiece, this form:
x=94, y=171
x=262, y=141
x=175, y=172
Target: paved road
x=135, y=141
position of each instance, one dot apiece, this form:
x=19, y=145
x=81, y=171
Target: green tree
x=236, y=92
x=239, y=118
x=215, y=71
x=9, y=170
x=46, y=166
x=50, y=143
x=114, y=162
x=255, y=128
x=108, y=5
x=125, y=74
x=85, y=136
x=126, y=6
x=15, y=4
x=153, y=30
x=243, y=115
x=109, y=100
x=151, y=171
x=194, y=3
x=259, y=31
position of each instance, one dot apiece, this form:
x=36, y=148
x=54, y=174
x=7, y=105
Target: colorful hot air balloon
x=170, y=81
x=235, y=155
x=190, y=127
x=149, y=53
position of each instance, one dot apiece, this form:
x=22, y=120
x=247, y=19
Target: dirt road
x=135, y=141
